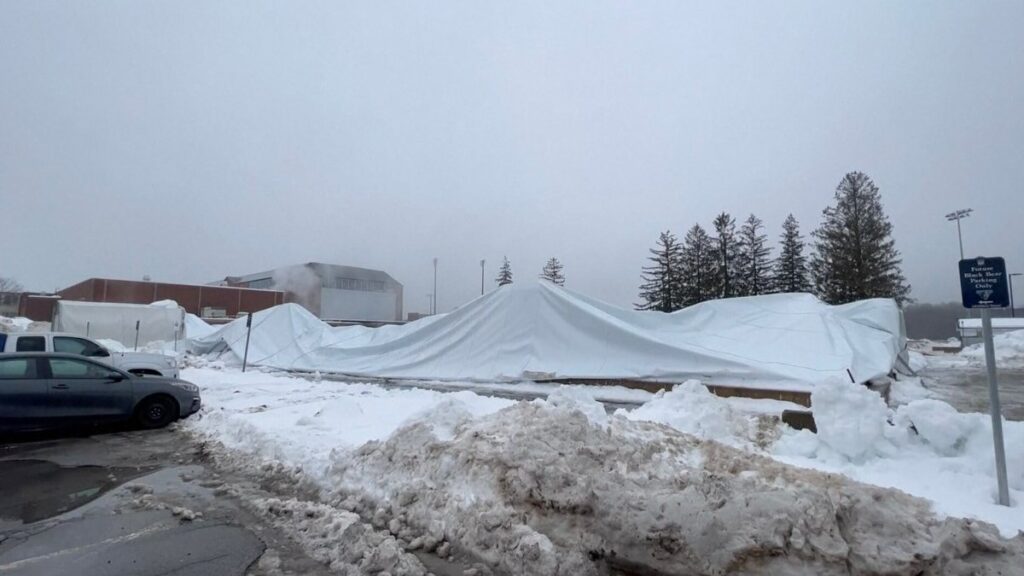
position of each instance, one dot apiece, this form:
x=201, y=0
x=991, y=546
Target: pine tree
x=855, y=256
x=660, y=290
x=727, y=252
x=790, y=273
x=504, y=273
x=699, y=279
x=753, y=262
x=552, y=272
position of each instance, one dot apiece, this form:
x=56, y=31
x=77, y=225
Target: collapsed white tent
x=542, y=332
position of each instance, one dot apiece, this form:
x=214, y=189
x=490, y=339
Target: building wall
x=337, y=304
x=191, y=297
x=333, y=292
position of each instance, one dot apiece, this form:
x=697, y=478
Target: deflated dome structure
x=539, y=331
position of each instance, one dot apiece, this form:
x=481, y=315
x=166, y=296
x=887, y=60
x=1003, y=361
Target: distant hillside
x=938, y=321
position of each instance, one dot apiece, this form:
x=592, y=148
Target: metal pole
x=482, y=277
x=248, y=331
x=1013, y=313
x=434, y=311
x=136, y=335
x=960, y=237
x=997, y=414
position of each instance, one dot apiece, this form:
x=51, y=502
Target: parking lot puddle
x=33, y=490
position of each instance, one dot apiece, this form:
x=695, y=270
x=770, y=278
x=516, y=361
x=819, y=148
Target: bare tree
x=10, y=285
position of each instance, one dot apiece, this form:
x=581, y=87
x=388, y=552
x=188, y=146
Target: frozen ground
x=561, y=486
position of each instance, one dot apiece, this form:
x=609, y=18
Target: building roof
x=321, y=269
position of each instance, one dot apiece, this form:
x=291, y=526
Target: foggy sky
x=194, y=140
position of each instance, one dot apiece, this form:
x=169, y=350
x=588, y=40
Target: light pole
x=964, y=213
x=430, y=304
x=482, y=262
x=434, y=311
x=1013, y=314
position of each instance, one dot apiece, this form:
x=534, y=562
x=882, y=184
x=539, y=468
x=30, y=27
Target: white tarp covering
x=103, y=320
x=539, y=332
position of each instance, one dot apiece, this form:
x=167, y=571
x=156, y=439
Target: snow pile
x=916, y=360
x=543, y=332
x=925, y=448
x=850, y=418
x=299, y=422
x=533, y=489
x=689, y=407
x=16, y=324
x=906, y=389
x=1009, y=350
x=560, y=487
x=112, y=345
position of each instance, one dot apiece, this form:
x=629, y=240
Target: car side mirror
x=101, y=353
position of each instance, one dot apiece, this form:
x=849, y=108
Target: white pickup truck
x=141, y=363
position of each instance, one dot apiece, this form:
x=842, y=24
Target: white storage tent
x=161, y=321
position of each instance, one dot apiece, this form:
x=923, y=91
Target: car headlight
x=186, y=386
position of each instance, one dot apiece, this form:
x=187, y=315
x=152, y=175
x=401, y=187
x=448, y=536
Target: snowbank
x=925, y=448
x=1009, y=350
x=555, y=486
x=16, y=324
x=543, y=332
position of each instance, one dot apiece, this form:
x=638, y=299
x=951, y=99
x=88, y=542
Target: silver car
x=49, y=390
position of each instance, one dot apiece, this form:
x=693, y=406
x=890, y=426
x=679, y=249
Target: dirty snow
x=546, y=486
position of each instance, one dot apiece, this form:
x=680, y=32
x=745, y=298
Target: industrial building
x=332, y=292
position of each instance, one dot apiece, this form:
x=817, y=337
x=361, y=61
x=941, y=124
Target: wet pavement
x=128, y=502
x=966, y=388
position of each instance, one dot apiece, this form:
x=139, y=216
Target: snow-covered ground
x=478, y=472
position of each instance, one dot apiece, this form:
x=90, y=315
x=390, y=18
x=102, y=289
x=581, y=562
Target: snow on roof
x=1001, y=323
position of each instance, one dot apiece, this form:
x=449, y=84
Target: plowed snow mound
x=540, y=489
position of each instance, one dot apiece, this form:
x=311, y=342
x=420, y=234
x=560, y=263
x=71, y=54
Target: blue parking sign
x=983, y=283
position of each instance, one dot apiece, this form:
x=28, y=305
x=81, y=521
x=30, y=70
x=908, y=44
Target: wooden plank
x=794, y=396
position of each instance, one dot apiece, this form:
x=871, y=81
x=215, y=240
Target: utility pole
x=958, y=215
x=434, y=311
x=482, y=262
x=1013, y=314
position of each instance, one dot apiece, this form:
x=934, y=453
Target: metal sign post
x=248, y=331
x=983, y=286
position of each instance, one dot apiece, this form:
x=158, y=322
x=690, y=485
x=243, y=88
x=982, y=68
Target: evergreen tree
x=855, y=256
x=790, y=272
x=552, y=272
x=699, y=279
x=752, y=262
x=504, y=273
x=727, y=252
x=660, y=290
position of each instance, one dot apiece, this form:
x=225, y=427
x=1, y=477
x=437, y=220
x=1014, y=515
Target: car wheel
x=155, y=412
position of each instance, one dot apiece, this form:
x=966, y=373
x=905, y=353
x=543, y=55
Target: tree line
x=852, y=257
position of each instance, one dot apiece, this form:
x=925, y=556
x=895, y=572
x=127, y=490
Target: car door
x=23, y=395
x=81, y=347
x=81, y=389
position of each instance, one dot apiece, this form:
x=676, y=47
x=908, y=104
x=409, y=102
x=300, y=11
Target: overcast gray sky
x=193, y=140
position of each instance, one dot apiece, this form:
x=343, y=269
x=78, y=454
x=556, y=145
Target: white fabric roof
x=538, y=331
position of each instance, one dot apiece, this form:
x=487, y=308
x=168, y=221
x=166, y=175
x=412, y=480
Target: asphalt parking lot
x=966, y=388
x=129, y=502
